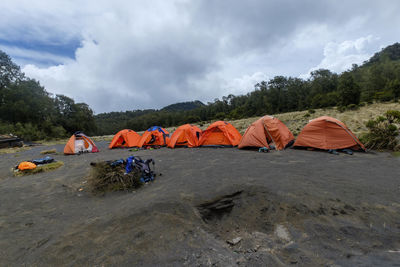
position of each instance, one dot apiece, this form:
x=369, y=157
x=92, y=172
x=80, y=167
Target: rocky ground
x=221, y=207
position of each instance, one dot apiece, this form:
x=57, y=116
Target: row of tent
x=321, y=133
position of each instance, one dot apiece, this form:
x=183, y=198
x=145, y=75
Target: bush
x=105, y=178
x=220, y=116
x=311, y=111
x=352, y=107
x=341, y=108
x=192, y=119
x=384, y=96
x=383, y=131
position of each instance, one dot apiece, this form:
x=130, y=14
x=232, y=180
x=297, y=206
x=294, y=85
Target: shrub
x=384, y=96
x=341, y=108
x=311, y=111
x=220, y=116
x=382, y=131
x=352, y=107
x=106, y=178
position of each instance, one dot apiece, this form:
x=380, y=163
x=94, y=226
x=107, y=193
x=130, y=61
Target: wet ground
x=221, y=207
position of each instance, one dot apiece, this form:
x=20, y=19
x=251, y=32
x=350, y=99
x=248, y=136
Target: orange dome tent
x=186, y=135
x=79, y=143
x=266, y=130
x=327, y=133
x=220, y=133
x=125, y=138
x=154, y=136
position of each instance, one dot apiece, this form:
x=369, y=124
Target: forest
x=29, y=111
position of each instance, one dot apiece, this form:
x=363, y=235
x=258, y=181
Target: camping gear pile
x=120, y=174
x=32, y=164
x=36, y=165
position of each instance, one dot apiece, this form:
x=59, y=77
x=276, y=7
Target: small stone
x=234, y=241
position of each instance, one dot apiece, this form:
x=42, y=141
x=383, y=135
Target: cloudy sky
x=124, y=55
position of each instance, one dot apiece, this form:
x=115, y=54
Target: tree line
x=28, y=110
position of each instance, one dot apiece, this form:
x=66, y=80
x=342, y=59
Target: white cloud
x=245, y=83
x=147, y=54
x=339, y=57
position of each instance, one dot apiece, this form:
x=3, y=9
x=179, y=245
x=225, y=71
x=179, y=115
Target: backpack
x=143, y=166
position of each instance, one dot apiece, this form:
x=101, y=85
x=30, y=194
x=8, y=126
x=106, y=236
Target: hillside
x=184, y=106
x=295, y=121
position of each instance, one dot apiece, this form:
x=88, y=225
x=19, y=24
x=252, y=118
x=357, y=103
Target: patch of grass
x=50, y=151
x=107, y=138
x=354, y=119
x=40, y=168
x=52, y=142
x=396, y=154
x=14, y=150
x=105, y=178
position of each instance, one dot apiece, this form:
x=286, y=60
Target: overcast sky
x=124, y=55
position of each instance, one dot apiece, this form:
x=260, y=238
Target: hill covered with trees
x=28, y=110
x=184, y=106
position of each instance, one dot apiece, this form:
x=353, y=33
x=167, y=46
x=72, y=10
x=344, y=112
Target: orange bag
x=26, y=165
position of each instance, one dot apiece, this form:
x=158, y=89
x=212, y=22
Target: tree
x=394, y=87
x=9, y=71
x=349, y=90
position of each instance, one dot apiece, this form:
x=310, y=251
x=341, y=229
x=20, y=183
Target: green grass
x=41, y=168
x=11, y=150
x=50, y=151
x=396, y=154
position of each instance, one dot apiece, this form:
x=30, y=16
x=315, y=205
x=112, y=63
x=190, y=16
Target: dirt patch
x=264, y=227
x=275, y=209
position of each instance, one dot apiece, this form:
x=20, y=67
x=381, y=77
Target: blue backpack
x=142, y=166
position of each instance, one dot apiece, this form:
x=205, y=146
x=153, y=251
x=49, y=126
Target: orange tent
x=154, y=136
x=266, y=130
x=125, y=138
x=220, y=133
x=186, y=135
x=327, y=133
x=79, y=143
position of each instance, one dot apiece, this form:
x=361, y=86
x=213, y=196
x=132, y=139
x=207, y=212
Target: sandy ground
x=221, y=207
